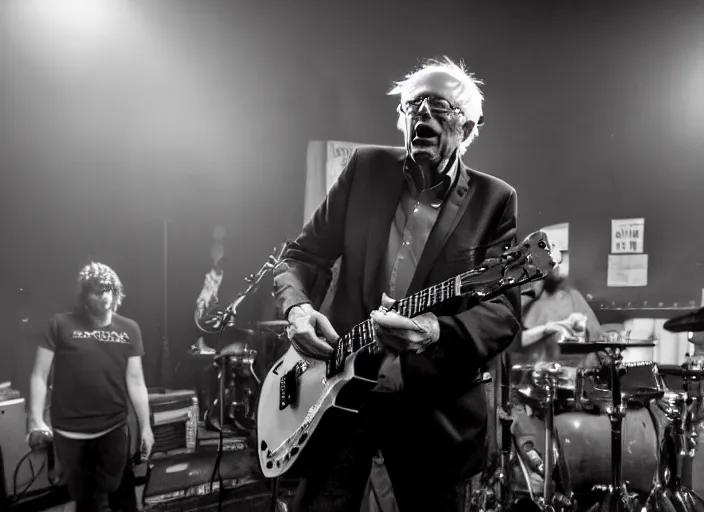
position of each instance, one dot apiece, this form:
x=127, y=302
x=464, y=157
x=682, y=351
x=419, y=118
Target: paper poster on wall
x=627, y=235
x=338, y=154
x=627, y=270
x=559, y=238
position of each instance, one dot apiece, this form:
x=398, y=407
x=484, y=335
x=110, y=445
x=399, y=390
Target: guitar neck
x=362, y=335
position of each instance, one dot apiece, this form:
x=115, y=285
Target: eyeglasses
x=436, y=106
x=100, y=288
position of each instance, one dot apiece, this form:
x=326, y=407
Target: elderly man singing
x=402, y=219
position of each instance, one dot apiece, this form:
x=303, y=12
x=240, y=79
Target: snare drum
x=640, y=383
x=528, y=385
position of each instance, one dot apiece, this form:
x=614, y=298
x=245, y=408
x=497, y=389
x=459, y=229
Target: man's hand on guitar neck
x=400, y=333
x=310, y=332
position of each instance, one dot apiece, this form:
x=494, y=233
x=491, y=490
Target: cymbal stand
x=616, y=498
x=684, y=433
x=550, y=500
x=494, y=493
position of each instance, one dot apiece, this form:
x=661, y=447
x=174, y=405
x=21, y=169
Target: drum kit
x=232, y=409
x=614, y=437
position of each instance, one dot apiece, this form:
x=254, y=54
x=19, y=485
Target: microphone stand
x=227, y=319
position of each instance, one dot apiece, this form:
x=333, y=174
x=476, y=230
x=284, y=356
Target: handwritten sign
x=338, y=155
x=627, y=270
x=627, y=235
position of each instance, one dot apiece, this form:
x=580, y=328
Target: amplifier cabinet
x=174, y=421
x=13, y=447
x=198, y=474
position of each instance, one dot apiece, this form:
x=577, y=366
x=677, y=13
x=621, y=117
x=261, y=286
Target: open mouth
x=423, y=132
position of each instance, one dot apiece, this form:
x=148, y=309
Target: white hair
x=469, y=97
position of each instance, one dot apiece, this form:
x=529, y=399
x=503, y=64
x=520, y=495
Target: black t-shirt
x=90, y=365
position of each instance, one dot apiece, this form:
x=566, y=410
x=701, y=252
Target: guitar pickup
x=288, y=385
x=288, y=389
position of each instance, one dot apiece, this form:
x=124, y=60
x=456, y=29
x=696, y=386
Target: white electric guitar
x=297, y=392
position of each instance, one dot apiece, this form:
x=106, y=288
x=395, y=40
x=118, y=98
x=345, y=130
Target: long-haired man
x=97, y=359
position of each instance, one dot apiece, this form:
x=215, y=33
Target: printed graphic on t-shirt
x=104, y=336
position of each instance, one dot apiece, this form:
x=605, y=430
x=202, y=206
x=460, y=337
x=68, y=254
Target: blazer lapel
x=450, y=214
x=387, y=190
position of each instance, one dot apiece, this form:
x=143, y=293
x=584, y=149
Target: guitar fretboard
x=361, y=337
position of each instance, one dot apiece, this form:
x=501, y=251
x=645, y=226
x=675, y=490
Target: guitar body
x=283, y=433
x=298, y=395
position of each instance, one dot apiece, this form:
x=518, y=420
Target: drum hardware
x=540, y=394
x=238, y=388
x=616, y=497
x=495, y=492
x=683, y=410
x=235, y=360
x=200, y=349
x=547, y=378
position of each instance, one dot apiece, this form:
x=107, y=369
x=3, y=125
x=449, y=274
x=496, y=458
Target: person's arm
x=580, y=305
x=305, y=272
x=39, y=378
x=134, y=378
x=137, y=390
x=38, y=386
x=535, y=334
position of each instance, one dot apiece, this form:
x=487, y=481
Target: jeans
x=98, y=472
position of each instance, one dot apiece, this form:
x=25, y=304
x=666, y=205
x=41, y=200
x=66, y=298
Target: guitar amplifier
x=174, y=421
x=13, y=448
x=187, y=475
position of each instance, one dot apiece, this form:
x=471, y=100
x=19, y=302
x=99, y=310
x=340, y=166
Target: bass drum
x=584, y=441
x=582, y=429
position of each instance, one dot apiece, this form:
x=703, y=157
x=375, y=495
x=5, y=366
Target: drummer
x=553, y=309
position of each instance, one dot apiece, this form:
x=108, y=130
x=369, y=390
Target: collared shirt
x=415, y=216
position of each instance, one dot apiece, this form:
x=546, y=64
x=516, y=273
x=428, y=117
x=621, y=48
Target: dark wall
x=199, y=113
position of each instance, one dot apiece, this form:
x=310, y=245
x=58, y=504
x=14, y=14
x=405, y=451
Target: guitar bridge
x=288, y=384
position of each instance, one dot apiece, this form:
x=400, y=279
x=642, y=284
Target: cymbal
x=596, y=346
x=273, y=324
x=690, y=322
x=233, y=349
x=691, y=372
x=277, y=327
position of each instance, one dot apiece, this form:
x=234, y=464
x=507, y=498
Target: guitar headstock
x=530, y=260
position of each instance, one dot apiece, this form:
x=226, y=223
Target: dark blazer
x=477, y=220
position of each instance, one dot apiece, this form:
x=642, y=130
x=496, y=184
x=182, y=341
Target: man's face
x=434, y=128
x=100, y=300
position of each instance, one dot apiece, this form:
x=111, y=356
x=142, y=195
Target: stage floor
x=260, y=502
